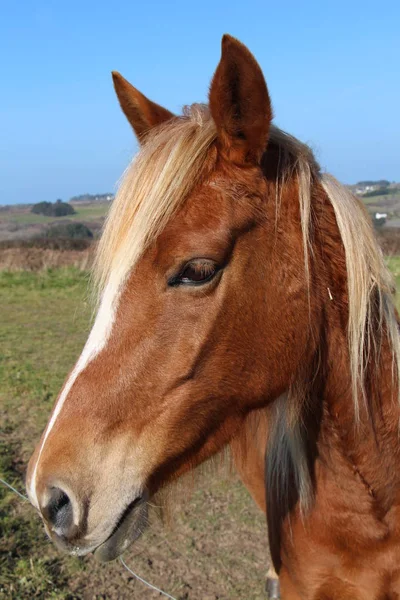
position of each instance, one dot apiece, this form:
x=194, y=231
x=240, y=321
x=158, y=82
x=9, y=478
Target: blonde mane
x=156, y=183
x=370, y=287
x=165, y=171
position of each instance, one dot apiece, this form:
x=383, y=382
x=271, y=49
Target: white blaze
x=96, y=341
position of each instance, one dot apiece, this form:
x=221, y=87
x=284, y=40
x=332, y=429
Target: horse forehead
x=217, y=205
x=207, y=213
x=210, y=204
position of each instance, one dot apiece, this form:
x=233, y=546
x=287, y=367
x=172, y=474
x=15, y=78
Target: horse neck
x=368, y=450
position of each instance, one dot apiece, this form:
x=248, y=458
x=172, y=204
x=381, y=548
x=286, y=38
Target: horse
x=243, y=304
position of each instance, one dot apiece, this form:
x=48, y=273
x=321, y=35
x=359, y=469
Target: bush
x=378, y=223
x=69, y=230
x=56, y=243
x=378, y=192
x=56, y=209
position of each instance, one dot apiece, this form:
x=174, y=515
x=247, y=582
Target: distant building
x=88, y=198
x=360, y=191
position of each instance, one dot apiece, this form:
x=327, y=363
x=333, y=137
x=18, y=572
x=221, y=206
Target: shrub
x=56, y=209
x=378, y=223
x=56, y=243
x=69, y=230
x=378, y=192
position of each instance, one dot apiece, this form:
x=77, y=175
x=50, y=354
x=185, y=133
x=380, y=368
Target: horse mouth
x=127, y=530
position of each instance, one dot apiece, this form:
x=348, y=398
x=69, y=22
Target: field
x=83, y=212
x=19, y=223
x=394, y=264
x=216, y=547
x=389, y=204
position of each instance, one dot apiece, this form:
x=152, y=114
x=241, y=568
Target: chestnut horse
x=243, y=302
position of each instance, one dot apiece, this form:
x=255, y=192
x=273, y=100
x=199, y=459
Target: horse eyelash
x=176, y=280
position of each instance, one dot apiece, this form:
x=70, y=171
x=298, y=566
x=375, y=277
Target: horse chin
x=127, y=530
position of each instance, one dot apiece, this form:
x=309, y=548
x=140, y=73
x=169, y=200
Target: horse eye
x=196, y=272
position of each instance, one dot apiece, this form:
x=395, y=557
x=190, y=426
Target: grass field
x=217, y=547
x=394, y=265
x=85, y=212
x=382, y=201
x=389, y=204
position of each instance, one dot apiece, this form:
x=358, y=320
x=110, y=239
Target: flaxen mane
x=154, y=186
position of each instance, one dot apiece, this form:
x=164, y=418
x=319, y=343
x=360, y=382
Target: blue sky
x=332, y=69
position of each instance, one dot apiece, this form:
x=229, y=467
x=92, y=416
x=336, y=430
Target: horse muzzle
x=66, y=523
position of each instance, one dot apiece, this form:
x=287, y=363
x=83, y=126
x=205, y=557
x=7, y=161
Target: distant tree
x=58, y=209
x=42, y=208
x=378, y=192
x=379, y=183
x=62, y=209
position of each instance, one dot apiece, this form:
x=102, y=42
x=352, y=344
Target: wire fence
x=121, y=560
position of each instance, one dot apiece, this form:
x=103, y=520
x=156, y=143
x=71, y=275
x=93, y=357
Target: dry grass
x=38, y=259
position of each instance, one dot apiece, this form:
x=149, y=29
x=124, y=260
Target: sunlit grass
x=83, y=213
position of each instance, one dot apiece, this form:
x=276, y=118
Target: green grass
x=41, y=329
x=91, y=211
x=40, y=333
x=380, y=200
x=394, y=265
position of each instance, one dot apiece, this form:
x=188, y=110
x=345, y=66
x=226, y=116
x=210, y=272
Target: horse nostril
x=59, y=512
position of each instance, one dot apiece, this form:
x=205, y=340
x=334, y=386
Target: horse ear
x=142, y=113
x=240, y=104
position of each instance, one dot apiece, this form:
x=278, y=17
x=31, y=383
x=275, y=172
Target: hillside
x=380, y=197
x=19, y=223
